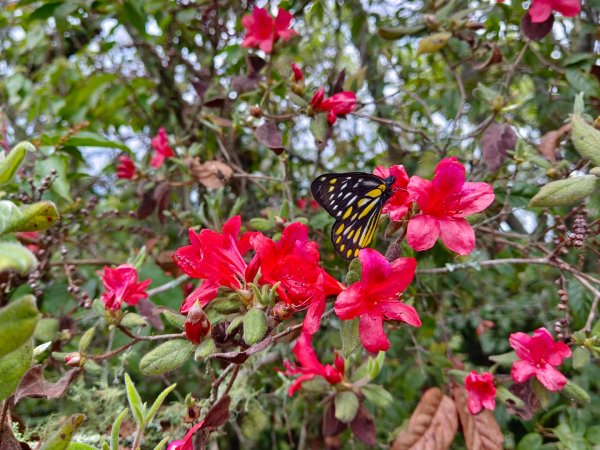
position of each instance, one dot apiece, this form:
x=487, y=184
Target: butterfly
x=355, y=200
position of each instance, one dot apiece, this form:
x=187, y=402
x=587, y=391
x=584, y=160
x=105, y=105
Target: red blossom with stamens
x=444, y=202
x=538, y=356
x=540, y=10
x=161, y=147
x=482, y=392
x=375, y=297
x=216, y=258
x=262, y=30
x=293, y=262
x=121, y=285
x=398, y=204
x=339, y=104
x=310, y=366
x=126, y=168
x=186, y=443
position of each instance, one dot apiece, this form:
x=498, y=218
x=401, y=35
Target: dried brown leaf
x=8, y=441
x=497, y=140
x=219, y=414
x=551, y=140
x=531, y=403
x=211, y=174
x=432, y=425
x=33, y=384
x=481, y=431
x=150, y=312
x=363, y=427
x=268, y=135
x=331, y=425
x=494, y=57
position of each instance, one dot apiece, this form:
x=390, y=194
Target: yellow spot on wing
x=331, y=188
x=356, y=252
x=366, y=211
x=374, y=193
x=349, y=253
x=339, y=229
x=332, y=181
x=362, y=201
x=347, y=213
x=338, y=240
x=357, y=234
x=342, y=247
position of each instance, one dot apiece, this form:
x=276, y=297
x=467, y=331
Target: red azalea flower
x=126, y=167
x=216, y=258
x=186, y=442
x=339, y=104
x=298, y=75
x=374, y=297
x=293, y=262
x=538, y=355
x=540, y=10
x=397, y=205
x=263, y=31
x=310, y=366
x=302, y=203
x=121, y=285
x=444, y=202
x=162, y=150
x=482, y=392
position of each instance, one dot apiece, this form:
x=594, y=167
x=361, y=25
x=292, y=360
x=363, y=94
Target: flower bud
x=298, y=75
x=255, y=111
x=73, y=359
x=197, y=325
x=282, y=311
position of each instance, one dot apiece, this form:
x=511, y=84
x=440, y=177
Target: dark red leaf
x=254, y=64
x=219, y=414
x=497, y=139
x=215, y=102
x=161, y=196
x=245, y=83
x=147, y=205
x=363, y=427
x=339, y=83
x=536, y=31
x=268, y=135
x=331, y=425
x=200, y=86
x=33, y=384
x=150, y=312
x=494, y=57
x=525, y=392
x=8, y=441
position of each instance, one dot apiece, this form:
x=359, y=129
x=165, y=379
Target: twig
x=165, y=287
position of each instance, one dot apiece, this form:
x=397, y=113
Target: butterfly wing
x=355, y=200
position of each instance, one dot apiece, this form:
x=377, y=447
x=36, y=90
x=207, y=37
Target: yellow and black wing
x=355, y=200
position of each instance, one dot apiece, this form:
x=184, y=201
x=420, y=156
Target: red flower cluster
x=339, y=104
x=121, y=285
x=161, y=147
x=262, y=30
x=310, y=366
x=538, y=356
x=126, y=168
x=482, y=392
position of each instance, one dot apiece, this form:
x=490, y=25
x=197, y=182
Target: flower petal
x=457, y=235
x=204, y=293
x=396, y=310
x=568, y=8
x=475, y=197
x=422, y=232
x=551, y=378
x=540, y=10
x=349, y=304
x=522, y=371
x=371, y=333
x=521, y=343
x=449, y=176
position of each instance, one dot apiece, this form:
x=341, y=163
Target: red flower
x=121, y=285
x=397, y=206
x=162, y=150
x=310, y=366
x=482, y=392
x=126, y=167
x=540, y=10
x=374, y=298
x=538, y=355
x=298, y=75
x=186, y=442
x=216, y=258
x=339, y=104
x=302, y=203
x=444, y=202
x=263, y=31
x=31, y=239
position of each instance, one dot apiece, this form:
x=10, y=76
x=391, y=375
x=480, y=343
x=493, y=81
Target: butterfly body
x=354, y=200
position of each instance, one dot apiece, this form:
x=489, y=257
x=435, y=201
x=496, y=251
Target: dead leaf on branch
x=494, y=57
x=211, y=174
x=497, y=140
x=551, y=140
x=432, y=425
x=481, y=431
x=268, y=135
x=33, y=384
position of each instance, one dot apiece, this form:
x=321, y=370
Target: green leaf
x=505, y=395
x=12, y=368
x=399, y=32
x=159, y=401
x=177, y=320
x=375, y=364
x=58, y=162
x=12, y=161
x=133, y=320
x=162, y=443
x=114, y=435
x=433, y=43
x=377, y=395
x=17, y=323
x=62, y=438
x=346, y=406
x=135, y=401
x=583, y=82
x=134, y=15
x=206, y=348
x=16, y=257
x=35, y=217
x=576, y=393
x=319, y=127
x=168, y=356
x=9, y=212
x=90, y=139
x=531, y=441
x=586, y=139
x=566, y=192
x=350, y=336
x=354, y=272
x=504, y=359
x=255, y=326
x=86, y=339
x=540, y=392
x=260, y=224
x=80, y=446
x=581, y=357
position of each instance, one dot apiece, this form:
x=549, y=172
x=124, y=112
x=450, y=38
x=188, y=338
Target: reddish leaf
x=33, y=384
x=497, y=139
x=240, y=357
x=525, y=393
x=8, y=441
x=244, y=83
x=339, y=83
x=551, y=140
x=161, y=197
x=211, y=174
x=268, y=135
x=200, y=87
x=219, y=414
x=150, y=312
x=363, y=427
x=536, y=31
x=331, y=425
x=432, y=425
x=481, y=431
x=254, y=64
x=147, y=205
x=215, y=102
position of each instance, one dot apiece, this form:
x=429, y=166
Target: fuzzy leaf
x=86, y=339
x=346, y=406
x=497, y=140
x=35, y=217
x=135, y=401
x=255, y=326
x=35, y=385
x=377, y=395
x=433, y=42
x=16, y=257
x=350, y=336
x=566, y=192
x=168, y=356
x=62, y=438
x=586, y=140
x=17, y=323
x=269, y=135
x=12, y=161
x=158, y=402
x=12, y=367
